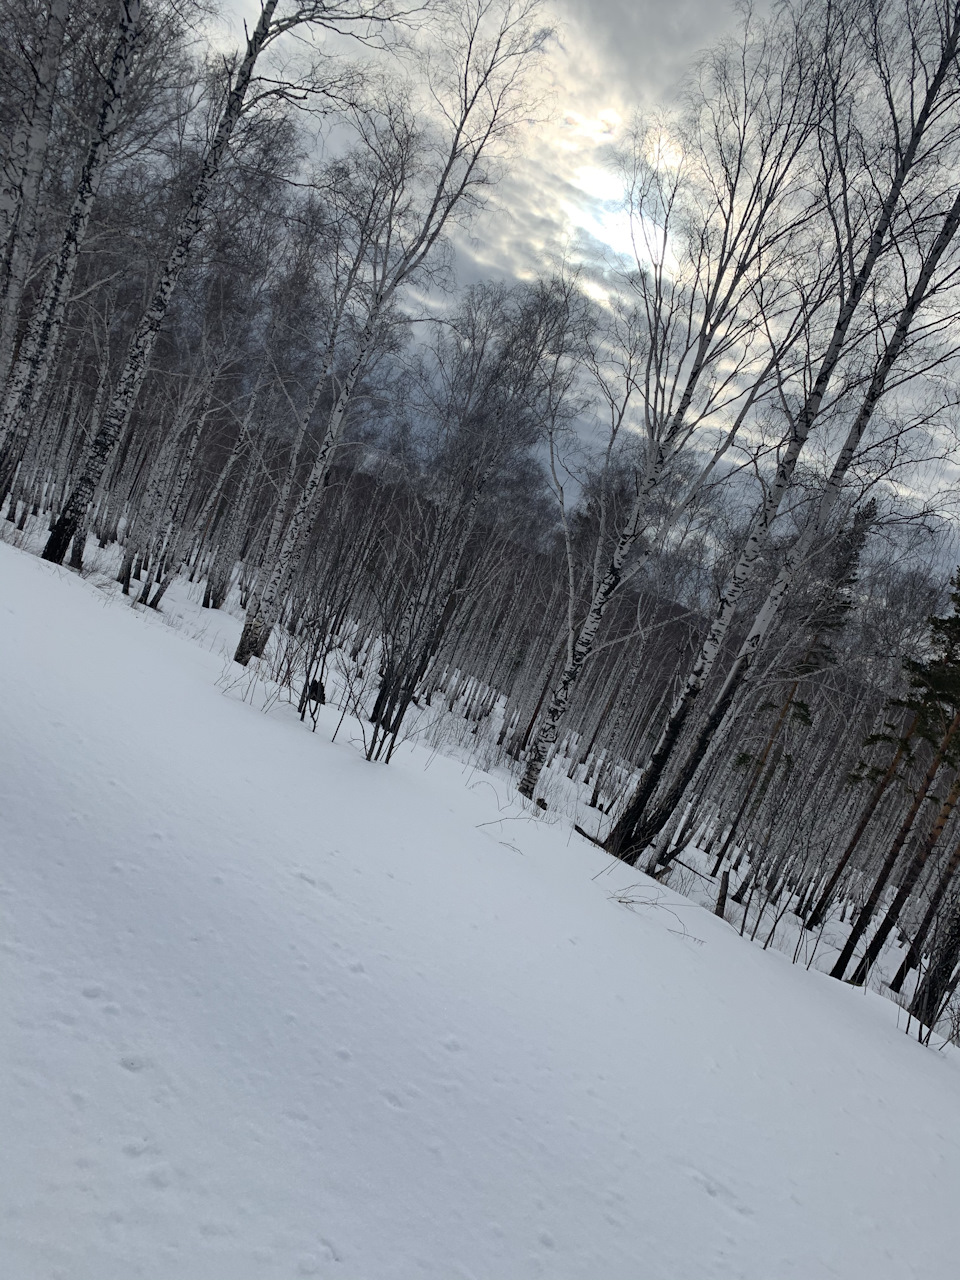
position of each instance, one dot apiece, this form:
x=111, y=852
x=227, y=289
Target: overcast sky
x=608, y=58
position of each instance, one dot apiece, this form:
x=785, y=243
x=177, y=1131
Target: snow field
x=271, y=1011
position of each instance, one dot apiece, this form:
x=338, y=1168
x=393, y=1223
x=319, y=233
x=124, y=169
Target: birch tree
x=491, y=379
x=714, y=209
x=432, y=173
x=908, y=147
x=23, y=172
x=936, y=686
x=274, y=22
x=33, y=362
x=926, y=285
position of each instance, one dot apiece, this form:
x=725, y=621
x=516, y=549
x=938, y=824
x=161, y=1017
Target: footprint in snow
x=134, y=1062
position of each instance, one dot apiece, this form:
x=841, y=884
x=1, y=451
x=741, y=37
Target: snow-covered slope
x=270, y=1011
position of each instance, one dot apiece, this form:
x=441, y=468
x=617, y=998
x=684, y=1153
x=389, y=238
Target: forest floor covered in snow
x=271, y=1011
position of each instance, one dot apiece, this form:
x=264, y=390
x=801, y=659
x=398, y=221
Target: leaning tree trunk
x=32, y=366
x=773, y=603
x=145, y=338
x=637, y=524
x=628, y=832
x=815, y=918
x=20, y=194
x=263, y=609
x=907, y=886
x=757, y=772
x=866, y=912
x=940, y=980
x=583, y=646
x=915, y=950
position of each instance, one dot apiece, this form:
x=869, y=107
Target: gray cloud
x=609, y=58
x=643, y=47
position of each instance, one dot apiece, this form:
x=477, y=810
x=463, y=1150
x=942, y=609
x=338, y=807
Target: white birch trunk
x=586, y=637
x=20, y=194
x=147, y=331
x=771, y=606
x=607, y=586
x=35, y=358
x=262, y=610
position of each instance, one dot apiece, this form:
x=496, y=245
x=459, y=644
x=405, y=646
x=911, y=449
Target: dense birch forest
x=669, y=538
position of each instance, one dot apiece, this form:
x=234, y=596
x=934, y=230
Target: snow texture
x=270, y=1011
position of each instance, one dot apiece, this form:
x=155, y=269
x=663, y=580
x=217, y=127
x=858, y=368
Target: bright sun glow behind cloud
x=601, y=213
x=562, y=195
x=591, y=203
